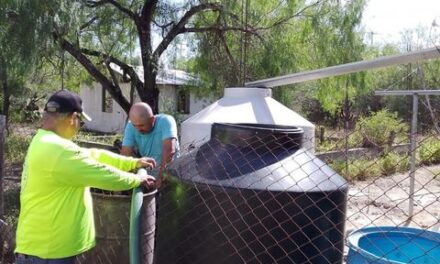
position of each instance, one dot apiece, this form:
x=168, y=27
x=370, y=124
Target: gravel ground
x=385, y=200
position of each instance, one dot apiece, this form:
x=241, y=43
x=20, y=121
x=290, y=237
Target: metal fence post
x=413, y=155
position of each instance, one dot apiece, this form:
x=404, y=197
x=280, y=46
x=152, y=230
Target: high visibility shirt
x=56, y=212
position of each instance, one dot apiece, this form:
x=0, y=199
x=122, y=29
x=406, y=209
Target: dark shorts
x=26, y=259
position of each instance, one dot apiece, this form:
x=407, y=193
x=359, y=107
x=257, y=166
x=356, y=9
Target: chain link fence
x=251, y=195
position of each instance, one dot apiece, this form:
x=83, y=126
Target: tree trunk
x=6, y=103
x=6, y=95
x=149, y=92
x=3, y=229
x=152, y=93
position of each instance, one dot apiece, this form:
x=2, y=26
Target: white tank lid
x=242, y=105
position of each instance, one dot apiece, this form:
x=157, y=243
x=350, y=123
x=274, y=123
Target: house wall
x=198, y=103
x=101, y=121
x=167, y=98
x=114, y=122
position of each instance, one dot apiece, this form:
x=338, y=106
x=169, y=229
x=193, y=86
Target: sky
x=387, y=18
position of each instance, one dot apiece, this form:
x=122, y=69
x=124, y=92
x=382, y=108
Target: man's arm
x=127, y=151
x=118, y=161
x=128, y=142
x=168, y=151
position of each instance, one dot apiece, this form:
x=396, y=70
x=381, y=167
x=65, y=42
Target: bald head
x=140, y=111
x=141, y=116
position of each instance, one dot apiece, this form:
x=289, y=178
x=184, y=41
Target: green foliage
x=25, y=108
x=169, y=107
x=338, y=144
x=12, y=205
x=392, y=163
x=429, y=151
x=362, y=169
x=107, y=139
x=376, y=129
x=327, y=145
x=16, y=148
x=294, y=36
x=336, y=41
x=25, y=40
x=356, y=170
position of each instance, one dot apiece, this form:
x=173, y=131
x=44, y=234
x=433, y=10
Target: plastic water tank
x=251, y=194
x=393, y=245
x=243, y=105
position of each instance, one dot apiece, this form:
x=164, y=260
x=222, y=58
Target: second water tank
x=251, y=195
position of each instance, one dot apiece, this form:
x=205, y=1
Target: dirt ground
x=385, y=200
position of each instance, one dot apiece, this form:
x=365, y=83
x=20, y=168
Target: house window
x=183, y=101
x=107, y=102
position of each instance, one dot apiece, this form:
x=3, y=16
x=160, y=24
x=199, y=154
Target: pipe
x=352, y=67
x=135, y=221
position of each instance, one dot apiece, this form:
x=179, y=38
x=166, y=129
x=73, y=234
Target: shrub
x=362, y=169
x=356, y=169
x=16, y=147
x=404, y=163
x=392, y=163
x=429, y=151
x=331, y=144
x=376, y=129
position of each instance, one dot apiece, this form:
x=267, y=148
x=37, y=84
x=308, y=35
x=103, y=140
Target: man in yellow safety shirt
x=56, y=215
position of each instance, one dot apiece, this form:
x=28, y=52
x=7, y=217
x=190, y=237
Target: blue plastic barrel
x=395, y=245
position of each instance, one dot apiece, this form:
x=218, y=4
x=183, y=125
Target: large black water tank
x=251, y=195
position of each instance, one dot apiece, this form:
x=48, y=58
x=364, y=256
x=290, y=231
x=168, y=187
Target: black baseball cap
x=64, y=101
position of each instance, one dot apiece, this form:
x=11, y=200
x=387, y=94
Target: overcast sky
x=387, y=18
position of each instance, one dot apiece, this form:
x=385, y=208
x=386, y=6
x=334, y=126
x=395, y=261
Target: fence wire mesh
x=251, y=195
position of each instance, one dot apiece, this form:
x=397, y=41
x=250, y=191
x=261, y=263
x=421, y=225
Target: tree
x=100, y=32
x=21, y=44
x=303, y=35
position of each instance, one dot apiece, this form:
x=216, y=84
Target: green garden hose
x=135, y=222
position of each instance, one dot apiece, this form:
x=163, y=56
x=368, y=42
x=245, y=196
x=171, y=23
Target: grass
x=363, y=169
x=11, y=198
x=16, y=148
x=107, y=139
x=429, y=151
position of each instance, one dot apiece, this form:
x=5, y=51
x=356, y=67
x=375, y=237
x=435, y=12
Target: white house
x=109, y=117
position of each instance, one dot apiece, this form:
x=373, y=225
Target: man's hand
x=146, y=162
x=148, y=182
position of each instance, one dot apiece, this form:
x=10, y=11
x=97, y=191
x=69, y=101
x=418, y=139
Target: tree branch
x=93, y=4
x=228, y=52
x=107, y=58
x=284, y=20
x=163, y=26
x=222, y=29
x=433, y=115
x=126, y=11
x=112, y=73
x=93, y=71
x=88, y=23
x=180, y=26
x=148, y=8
